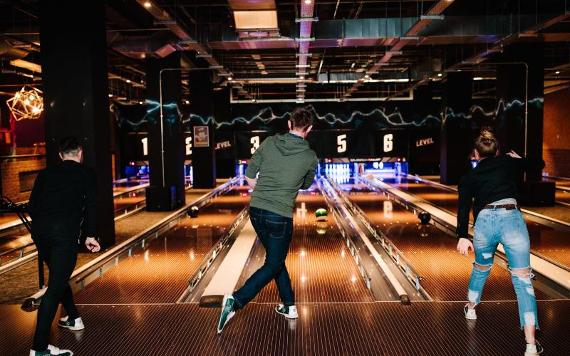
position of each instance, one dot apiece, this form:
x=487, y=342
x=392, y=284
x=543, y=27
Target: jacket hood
x=289, y=144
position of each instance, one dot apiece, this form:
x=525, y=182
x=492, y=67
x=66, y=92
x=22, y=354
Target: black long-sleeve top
x=493, y=179
x=64, y=194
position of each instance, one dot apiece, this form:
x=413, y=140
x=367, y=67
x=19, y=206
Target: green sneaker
x=227, y=311
x=288, y=312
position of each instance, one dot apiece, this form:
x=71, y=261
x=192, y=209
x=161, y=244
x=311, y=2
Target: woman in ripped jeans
x=491, y=187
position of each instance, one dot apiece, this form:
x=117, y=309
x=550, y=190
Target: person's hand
x=464, y=245
x=513, y=154
x=92, y=244
x=251, y=181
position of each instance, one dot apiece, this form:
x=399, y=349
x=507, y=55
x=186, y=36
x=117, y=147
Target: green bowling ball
x=321, y=214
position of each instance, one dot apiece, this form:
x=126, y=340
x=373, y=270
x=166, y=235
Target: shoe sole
x=72, y=328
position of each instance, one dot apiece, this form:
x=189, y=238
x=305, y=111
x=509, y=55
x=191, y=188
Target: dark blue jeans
x=275, y=233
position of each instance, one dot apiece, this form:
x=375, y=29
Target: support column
x=74, y=76
x=456, y=135
x=520, y=91
x=165, y=136
x=424, y=144
x=202, y=103
x=225, y=158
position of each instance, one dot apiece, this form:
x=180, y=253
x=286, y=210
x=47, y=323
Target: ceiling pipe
x=186, y=42
x=424, y=20
x=305, y=27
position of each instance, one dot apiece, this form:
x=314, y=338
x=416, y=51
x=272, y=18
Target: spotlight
x=147, y=4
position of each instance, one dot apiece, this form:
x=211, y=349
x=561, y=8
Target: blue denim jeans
x=507, y=227
x=275, y=233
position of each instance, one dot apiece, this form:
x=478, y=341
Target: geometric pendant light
x=27, y=104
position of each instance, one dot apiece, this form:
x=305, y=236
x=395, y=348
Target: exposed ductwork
x=304, y=40
x=410, y=37
x=10, y=50
x=186, y=42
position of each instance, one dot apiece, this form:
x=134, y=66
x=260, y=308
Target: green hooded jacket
x=285, y=164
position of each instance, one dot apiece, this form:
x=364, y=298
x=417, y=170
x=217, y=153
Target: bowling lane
x=321, y=268
x=160, y=273
x=563, y=196
x=432, y=253
x=7, y=218
x=561, y=182
x=545, y=240
x=14, y=238
x=125, y=201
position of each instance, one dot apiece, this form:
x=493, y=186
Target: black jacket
x=64, y=195
x=493, y=179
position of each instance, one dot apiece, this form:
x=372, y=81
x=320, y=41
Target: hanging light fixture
x=27, y=104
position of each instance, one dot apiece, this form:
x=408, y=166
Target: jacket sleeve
x=90, y=227
x=465, y=203
x=310, y=176
x=34, y=196
x=255, y=162
x=529, y=164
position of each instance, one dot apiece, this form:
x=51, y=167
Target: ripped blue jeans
x=507, y=227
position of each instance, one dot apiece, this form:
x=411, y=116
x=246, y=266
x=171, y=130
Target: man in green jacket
x=285, y=163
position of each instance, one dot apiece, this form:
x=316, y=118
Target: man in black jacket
x=62, y=203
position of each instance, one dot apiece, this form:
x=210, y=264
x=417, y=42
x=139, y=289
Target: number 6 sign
x=388, y=143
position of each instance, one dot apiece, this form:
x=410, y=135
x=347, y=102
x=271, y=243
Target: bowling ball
x=193, y=212
x=321, y=214
x=424, y=217
x=322, y=227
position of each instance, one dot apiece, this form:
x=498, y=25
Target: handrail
x=549, y=270
x=213, y=254
x=31, y=155
x=98, y=264
x=389, y=247
x=392, y=280
x=524, y=210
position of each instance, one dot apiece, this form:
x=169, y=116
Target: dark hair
x=301, y=119
x=69, y=144
x=486, y=143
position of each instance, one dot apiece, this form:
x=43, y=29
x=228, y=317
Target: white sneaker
x=288, y=312
x=469, y=313
x=52, y=350
x=533, y=349
x=74, y=325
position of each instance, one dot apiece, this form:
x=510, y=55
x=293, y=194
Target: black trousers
x=60, y=254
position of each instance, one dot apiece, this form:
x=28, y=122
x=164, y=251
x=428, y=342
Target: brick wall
x=17, y=176
x=556, y=139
